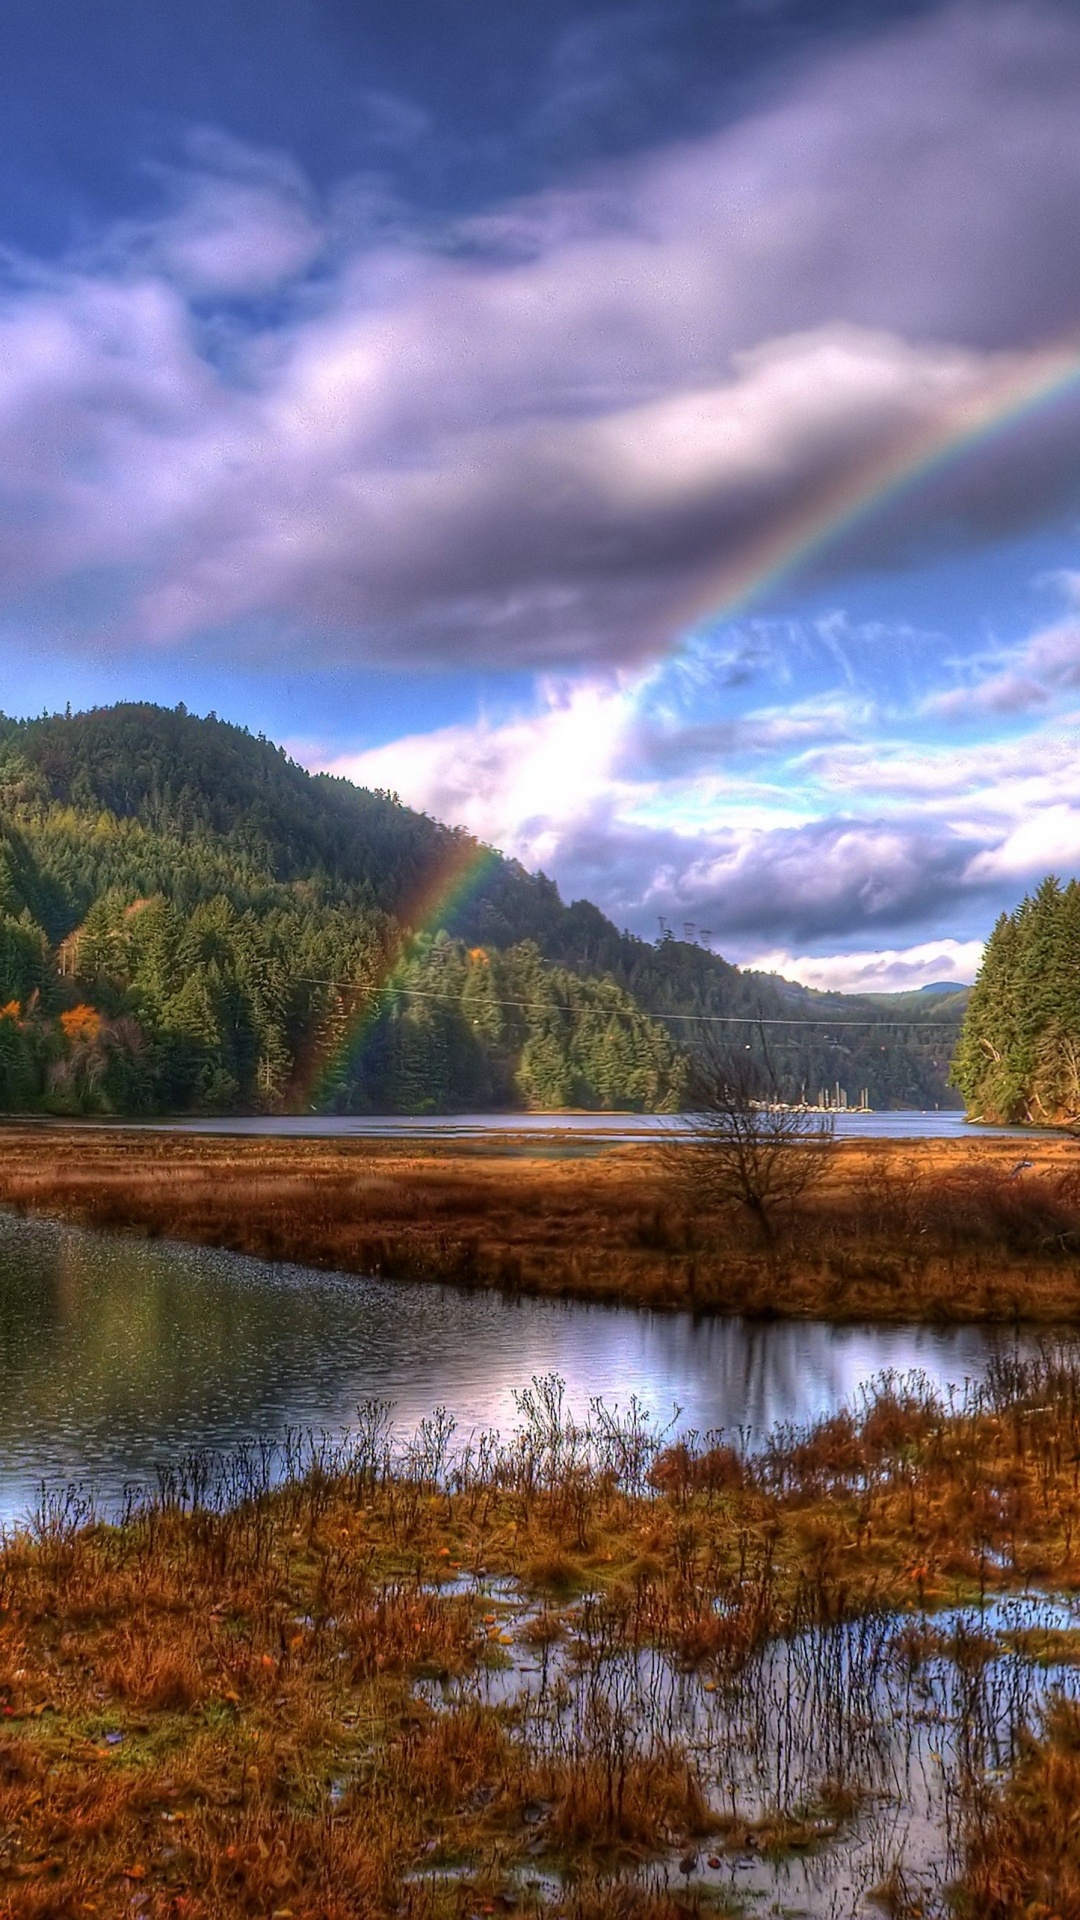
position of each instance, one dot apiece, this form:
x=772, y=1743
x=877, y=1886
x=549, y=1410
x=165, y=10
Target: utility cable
x=555, y=1006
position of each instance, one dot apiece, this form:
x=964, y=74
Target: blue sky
x=423, y=385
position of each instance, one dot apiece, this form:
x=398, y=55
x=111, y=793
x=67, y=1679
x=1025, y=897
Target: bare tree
x=740, y=1144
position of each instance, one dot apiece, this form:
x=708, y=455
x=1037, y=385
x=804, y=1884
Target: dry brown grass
x=1024, y=1844
x=930, y=1230
x=258, y=1657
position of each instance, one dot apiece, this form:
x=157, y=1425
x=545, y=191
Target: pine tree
x=1018, y=1057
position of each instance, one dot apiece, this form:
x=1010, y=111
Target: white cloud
x=990, y=782
x=235, y=237
x=522, y=784
x=239, y=221
x=1032, y=676
x=569, y=789
x=1048, y=841
x=736, y=825
x=885, y=970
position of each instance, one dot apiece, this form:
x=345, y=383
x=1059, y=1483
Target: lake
x=940, y=1124
x=118, y=1354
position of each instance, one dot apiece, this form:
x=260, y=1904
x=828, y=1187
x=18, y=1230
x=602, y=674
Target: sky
x=648, y=435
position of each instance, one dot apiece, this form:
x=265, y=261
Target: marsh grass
x=1024, y=1847
x=930, y=1230
x=257, y=1690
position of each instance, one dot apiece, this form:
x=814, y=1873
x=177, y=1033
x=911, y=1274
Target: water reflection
x=874, y=1737
x=117, y=1354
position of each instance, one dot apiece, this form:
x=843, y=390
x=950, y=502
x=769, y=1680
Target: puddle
x=862, y=1736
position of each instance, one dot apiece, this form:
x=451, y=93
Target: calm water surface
x=118, y=1354
x=944, y=1124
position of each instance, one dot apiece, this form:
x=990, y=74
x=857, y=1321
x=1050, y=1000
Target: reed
x=942, y=1231
x=249, y=1693
x=1023, y=1846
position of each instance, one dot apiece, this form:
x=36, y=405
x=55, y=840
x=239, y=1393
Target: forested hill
x=1019, y=1053
x=189, y=920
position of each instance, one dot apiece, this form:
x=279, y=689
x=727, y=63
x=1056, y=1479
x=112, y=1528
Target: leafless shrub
x=747, y=1149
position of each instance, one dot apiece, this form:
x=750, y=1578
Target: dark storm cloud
x=831, y=879
x=553, y=436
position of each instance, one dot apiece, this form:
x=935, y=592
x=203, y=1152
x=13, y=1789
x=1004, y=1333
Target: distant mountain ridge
x=189, y=919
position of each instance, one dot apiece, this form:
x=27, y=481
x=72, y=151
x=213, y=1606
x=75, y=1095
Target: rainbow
x=447, y=887
x=1018, y=389
x=1022, y=386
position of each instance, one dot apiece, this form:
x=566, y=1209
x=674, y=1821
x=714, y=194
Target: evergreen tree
x=1018, y=1058
x=243, y=934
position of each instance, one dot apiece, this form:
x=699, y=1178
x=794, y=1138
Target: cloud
x=565, y=790
x=1001, y=693
x=990, y=782
x=885, y=970
x=1047, y=842
x=519, y=784
x=826, y=877
x=667, y=746
x=1026, y=677
x=393, y=122
x=238, y=222
x=804, y=825
x=553, y=434
x=826, y=884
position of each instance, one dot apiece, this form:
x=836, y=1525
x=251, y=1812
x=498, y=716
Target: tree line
x=189, y=921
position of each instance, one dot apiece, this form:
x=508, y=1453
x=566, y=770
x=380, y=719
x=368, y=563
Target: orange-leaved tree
x=81, y=1024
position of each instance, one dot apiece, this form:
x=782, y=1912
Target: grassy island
x=899, y=1230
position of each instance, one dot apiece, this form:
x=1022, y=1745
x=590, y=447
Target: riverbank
x=907, y=1230
x=520, y=1678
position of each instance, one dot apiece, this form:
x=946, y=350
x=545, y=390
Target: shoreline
x=936, y=1231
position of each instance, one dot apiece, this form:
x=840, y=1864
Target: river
x=118, y=1354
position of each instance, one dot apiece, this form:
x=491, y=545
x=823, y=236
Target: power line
x=702, y=1019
